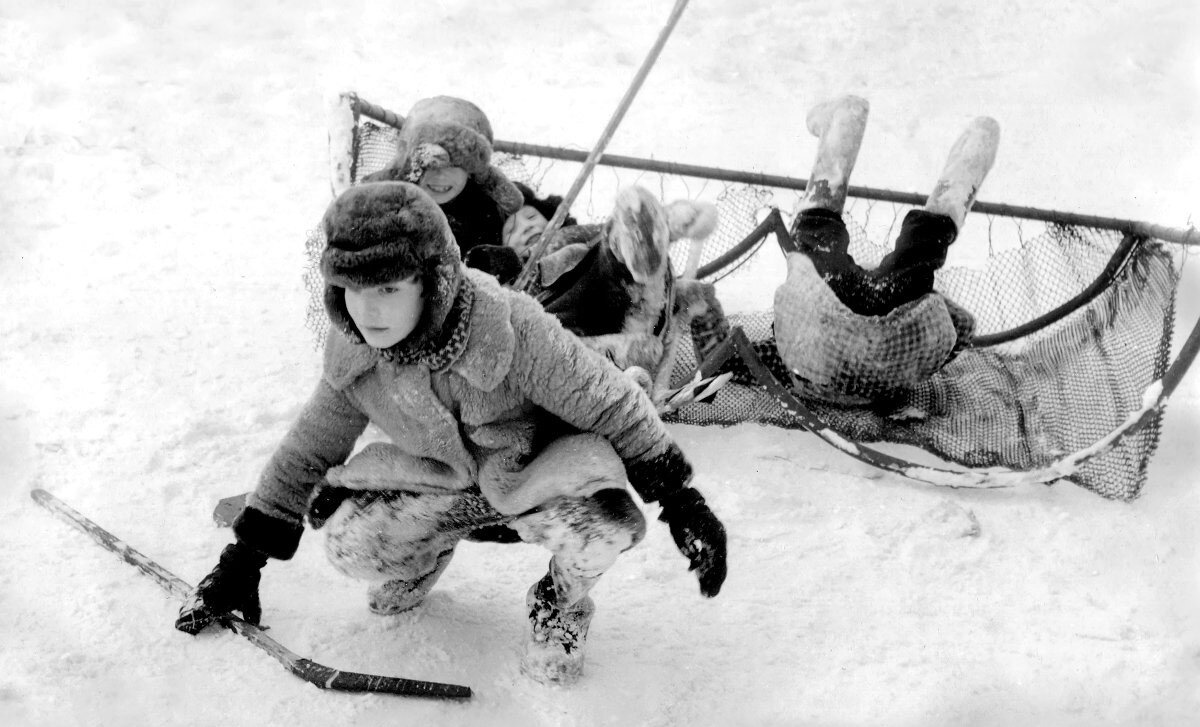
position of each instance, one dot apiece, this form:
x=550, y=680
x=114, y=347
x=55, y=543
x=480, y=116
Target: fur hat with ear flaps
x=449, y=131
x=380, y=232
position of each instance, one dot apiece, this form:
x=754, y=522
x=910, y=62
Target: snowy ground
x=162, y=164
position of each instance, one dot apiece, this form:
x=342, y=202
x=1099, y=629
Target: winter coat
x=583, y=284
x=838, y=356
x=475, y=218
x=520, y=382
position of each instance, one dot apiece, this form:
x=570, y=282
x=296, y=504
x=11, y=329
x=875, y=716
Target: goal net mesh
x=1088, y=313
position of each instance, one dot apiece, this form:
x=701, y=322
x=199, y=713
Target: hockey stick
x=319, y=675
x=228, y=509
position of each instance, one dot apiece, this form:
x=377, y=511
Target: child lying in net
x=611, y=283
x=608, y=283
x=445, y=147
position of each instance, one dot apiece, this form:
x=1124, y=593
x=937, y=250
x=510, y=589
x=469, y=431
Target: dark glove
x=326, y=502
x=501, y=261
x=231, y=586
x=698, y=534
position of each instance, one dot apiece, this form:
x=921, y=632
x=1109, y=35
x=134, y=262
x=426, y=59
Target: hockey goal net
x=1063, y=380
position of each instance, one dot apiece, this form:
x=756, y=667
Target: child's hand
x=231, y=586
x=503, y=263
x=699, y=535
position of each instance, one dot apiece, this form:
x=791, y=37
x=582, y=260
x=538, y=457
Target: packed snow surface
x=162, y=165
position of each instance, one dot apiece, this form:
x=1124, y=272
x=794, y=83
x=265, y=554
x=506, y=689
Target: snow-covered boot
x=554, y=652
x=640, y=234
x=968, y=163
x=840, y=124
x=400, y=594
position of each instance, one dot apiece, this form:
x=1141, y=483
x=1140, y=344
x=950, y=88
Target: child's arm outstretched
x=273, y=521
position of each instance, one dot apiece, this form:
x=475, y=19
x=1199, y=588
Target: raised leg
x=907, y=272
x=967, y=165
x=839, y=124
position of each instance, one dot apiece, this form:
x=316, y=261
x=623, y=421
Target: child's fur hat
x=545, y=206
x=379, y=232
x=449, y=131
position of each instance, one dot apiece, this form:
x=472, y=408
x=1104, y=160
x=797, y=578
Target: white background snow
x=162, y=164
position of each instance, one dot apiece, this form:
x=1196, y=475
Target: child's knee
x=588, y=531
x=923, y=242
x=821, y=231
x=618, y=508
x=373, y=536
x=573, y=467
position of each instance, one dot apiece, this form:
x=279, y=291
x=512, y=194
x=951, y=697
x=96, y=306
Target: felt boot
x=968, y=163
x=554, y=652
x=839, y=124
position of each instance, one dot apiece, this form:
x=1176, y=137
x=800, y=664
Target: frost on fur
x=639, y=233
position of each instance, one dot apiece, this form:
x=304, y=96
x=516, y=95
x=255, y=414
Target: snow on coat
x=483, y=419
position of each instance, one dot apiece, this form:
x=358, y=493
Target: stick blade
x=228, y=509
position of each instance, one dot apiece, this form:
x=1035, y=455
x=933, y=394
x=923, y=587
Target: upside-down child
x=848, y=335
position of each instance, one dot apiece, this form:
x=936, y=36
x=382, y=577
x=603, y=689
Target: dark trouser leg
x=920, y=251
x=903, y=276
x=593, y=298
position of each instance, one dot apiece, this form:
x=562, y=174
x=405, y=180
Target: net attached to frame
x=1073, y=323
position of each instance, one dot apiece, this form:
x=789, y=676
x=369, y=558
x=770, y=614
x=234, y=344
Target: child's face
x=522, y=226
x=443, y=183
x=386, y=314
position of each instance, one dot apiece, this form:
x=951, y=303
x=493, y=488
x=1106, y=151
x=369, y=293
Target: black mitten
x=698, y=534
x=654, y=478
x=231, y=586
x=501, y=261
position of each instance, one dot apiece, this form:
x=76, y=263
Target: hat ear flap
x=467, y=148
x=497, y=186
x=339, y=316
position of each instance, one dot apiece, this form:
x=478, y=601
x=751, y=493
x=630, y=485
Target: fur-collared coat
x=520, y=382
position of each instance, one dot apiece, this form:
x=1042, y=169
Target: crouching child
x=498, y=420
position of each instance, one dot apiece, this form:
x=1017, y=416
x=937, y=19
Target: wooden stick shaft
x=526, y=277
x=317, y=674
